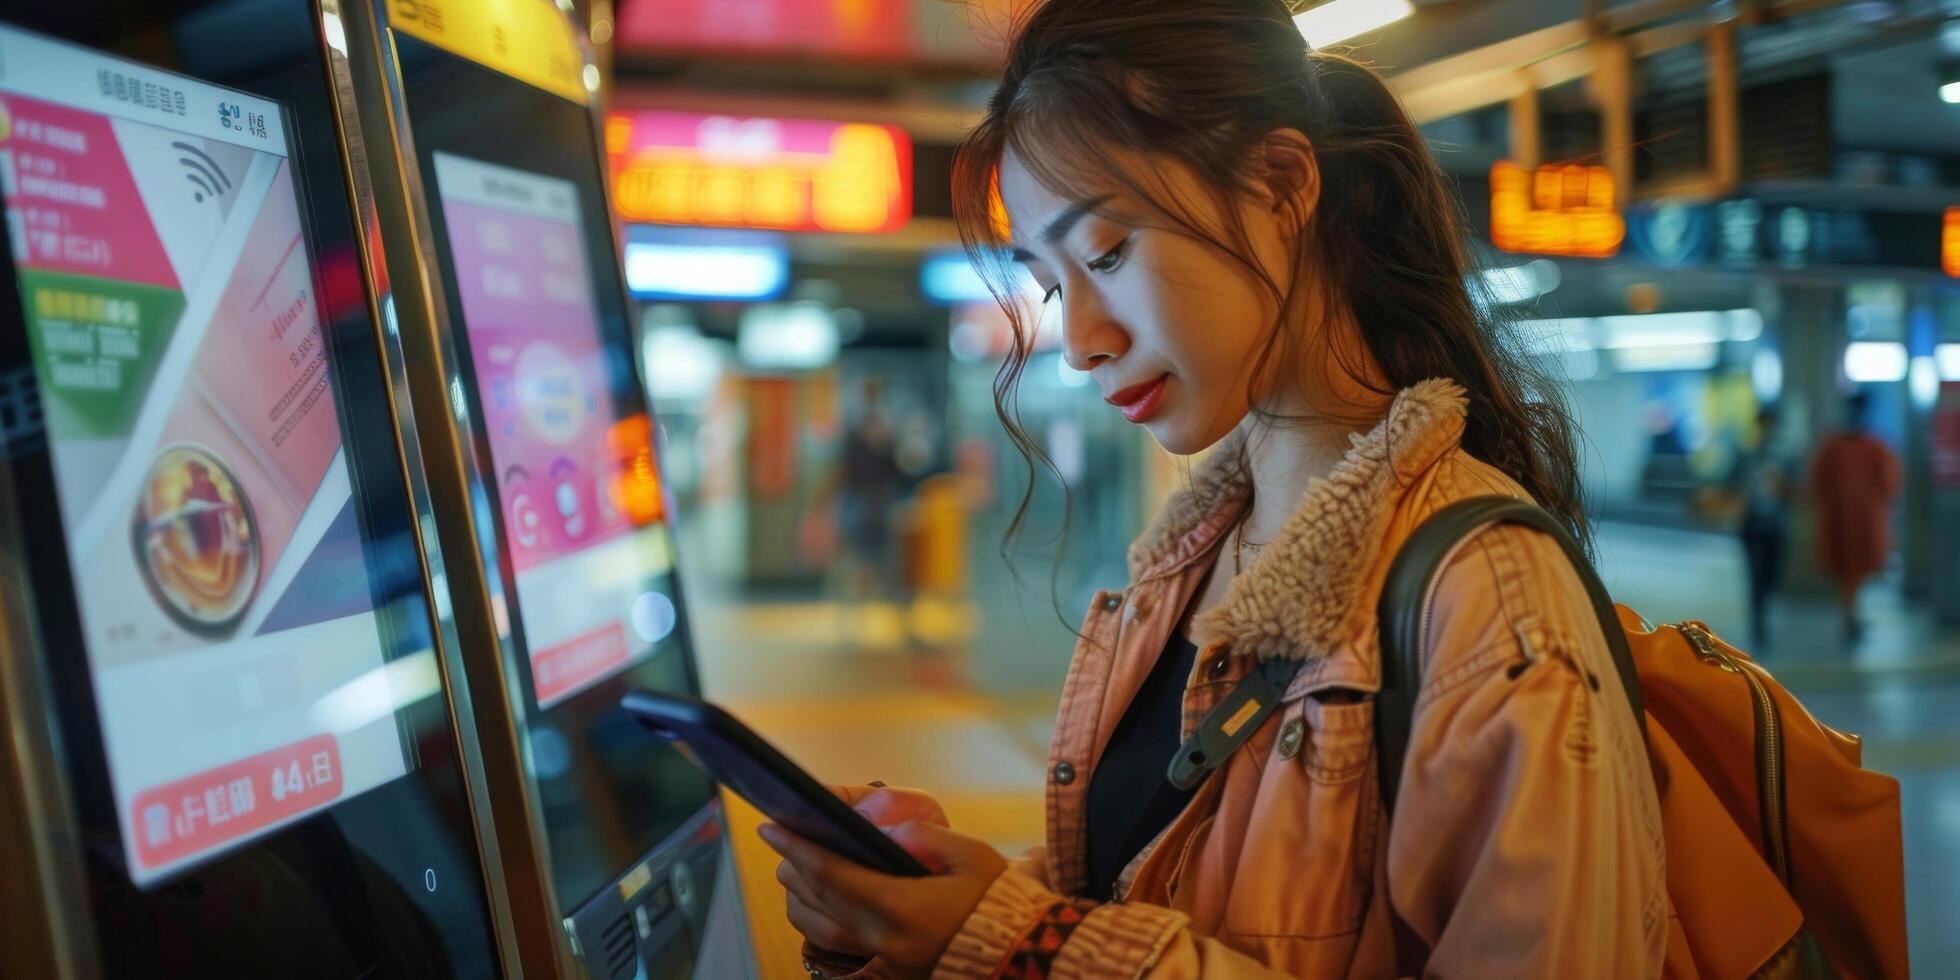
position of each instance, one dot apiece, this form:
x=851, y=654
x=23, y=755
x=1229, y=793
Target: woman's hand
x=887, y=807
x=892, y=806
x=906, y=922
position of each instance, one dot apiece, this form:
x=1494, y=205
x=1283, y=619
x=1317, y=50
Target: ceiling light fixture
x=1337, y=20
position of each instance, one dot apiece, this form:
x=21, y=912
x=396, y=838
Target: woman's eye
x=1053, y=291
x=1110, y=259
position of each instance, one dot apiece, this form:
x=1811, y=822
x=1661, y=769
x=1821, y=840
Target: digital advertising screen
x=581, y=504
x=219, y=566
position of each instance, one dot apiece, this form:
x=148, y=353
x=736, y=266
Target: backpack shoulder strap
x=1403, y=608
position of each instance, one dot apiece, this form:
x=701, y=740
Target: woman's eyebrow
x=1058, y=226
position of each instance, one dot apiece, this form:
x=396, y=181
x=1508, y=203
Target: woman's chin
x=1183, y=437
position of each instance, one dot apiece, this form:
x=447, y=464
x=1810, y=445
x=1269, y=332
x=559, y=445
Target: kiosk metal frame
x=373, y=110
x=374, y=107
x=49, y=930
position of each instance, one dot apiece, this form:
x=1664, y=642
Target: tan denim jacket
x=1526, y=839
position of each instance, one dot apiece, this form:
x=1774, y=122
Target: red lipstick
x=1139, y=402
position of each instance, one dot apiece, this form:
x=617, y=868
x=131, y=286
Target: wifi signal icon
x=206, y=177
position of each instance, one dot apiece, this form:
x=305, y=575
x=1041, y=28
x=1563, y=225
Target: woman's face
x=1167, y=325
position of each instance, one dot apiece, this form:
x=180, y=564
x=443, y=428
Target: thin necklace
x=1239, y=545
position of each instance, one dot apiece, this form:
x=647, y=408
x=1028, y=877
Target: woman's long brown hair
x=1203, y=84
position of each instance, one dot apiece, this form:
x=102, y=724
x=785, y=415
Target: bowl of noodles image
x=196, y=539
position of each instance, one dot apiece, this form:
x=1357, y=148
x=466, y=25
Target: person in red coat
x=1853, y=481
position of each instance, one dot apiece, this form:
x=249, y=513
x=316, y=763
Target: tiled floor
x=854, y=717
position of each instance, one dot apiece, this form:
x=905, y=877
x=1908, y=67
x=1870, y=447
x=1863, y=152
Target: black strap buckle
x=1227, y=726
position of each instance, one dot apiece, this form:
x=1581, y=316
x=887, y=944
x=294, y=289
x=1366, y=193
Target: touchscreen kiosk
x=231, y=744
x=530, y=360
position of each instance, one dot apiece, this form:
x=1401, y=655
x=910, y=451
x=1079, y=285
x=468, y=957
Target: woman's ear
x=1292, y=179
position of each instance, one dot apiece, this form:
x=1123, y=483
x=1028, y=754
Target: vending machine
x=231, y=743
x=483, y=141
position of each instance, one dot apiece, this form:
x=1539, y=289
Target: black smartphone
x=736, y=757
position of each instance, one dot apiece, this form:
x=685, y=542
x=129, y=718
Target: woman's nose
x=1089, y=334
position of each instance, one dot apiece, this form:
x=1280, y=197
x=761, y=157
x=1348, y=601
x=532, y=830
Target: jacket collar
x=1301, y=598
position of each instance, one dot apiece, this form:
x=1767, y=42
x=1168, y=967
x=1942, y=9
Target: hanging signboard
x=1559, y=209
x=682, y=168
x=966, y=32
x=1745, y=233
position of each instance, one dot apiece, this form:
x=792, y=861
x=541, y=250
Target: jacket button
x=1290, y=736
x=1112, y=603
x=1064, y=773
x=1220, y=666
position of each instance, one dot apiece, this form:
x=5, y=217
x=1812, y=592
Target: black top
x=1131, y=799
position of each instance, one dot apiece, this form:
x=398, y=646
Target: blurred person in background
x=1853, y=482
x=1763, y=484
x=1253, y=253
x=864, y=489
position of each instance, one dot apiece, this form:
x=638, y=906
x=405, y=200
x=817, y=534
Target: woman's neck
x=1282, y=459
x=1307, y=433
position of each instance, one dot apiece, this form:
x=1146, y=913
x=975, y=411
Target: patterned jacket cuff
x=1119, y=940
x=833, y=965
x=1014, y=903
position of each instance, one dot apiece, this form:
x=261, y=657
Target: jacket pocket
x=1305, y=864
x=1339, y=738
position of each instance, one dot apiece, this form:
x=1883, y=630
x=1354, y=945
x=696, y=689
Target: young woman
x=1253, y=254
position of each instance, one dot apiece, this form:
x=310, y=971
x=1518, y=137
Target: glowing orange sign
x=636, y=477
x=1559, y=210
x=791, y=174
x=1950, y=243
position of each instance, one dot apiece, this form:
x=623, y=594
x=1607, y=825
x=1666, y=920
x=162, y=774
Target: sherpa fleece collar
x=1299, y=598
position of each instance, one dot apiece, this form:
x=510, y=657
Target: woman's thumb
x=938, y=848
x=890, y=807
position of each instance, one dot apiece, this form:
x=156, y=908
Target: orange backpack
x=1784, y=856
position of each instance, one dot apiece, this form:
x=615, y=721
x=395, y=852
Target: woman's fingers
x=852, y=794
x=855, y=896
x=895, y=806
x=821, y=916
x=947, y=851
x=889, y=806
x=821, y=929
x=905, y=921
x=794, y=884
